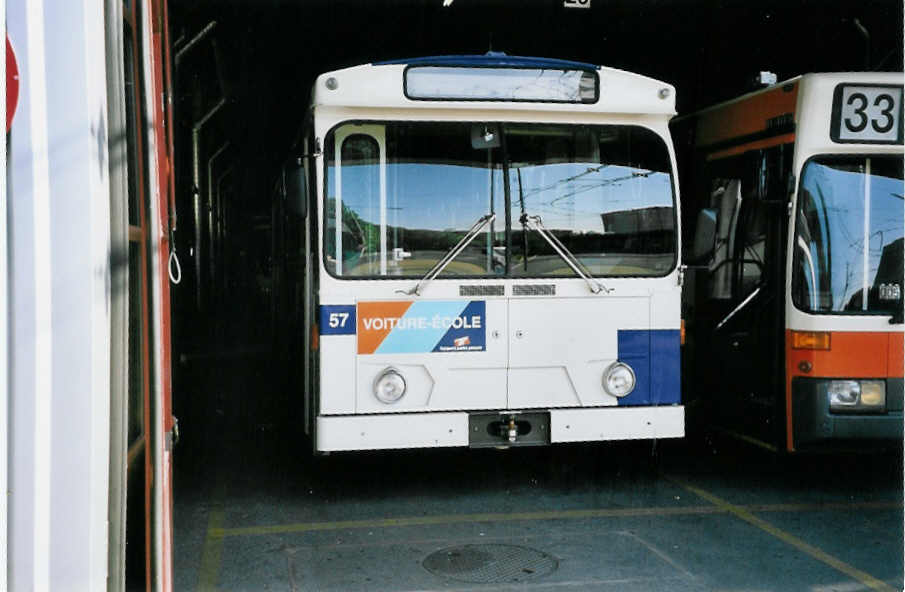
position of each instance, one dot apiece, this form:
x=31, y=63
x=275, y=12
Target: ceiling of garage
x=709, y=49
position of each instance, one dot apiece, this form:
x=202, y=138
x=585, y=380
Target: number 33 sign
x=867, y=114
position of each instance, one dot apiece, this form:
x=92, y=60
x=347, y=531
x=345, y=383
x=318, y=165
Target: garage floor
x=254, y=511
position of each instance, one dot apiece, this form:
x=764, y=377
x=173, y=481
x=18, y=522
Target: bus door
x=743, y=304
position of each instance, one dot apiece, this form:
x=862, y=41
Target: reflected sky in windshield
x=603, y=190
x=844, y=224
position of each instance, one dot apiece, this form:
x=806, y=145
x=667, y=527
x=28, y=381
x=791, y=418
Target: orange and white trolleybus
x=491, y=254
x=794, y=197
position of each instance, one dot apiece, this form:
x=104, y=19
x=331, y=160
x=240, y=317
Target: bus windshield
x=400, y=195
x=848, y=236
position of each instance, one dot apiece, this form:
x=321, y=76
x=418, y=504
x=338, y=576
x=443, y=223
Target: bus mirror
x=704, y=235
x=485, y=136
x=296, y=187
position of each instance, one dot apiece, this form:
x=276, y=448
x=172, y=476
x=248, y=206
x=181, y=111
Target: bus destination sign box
x=867, y=114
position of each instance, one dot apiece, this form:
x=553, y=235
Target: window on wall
x=131, y=91
x=137, y=412
x=136, y=346
x=135, y=172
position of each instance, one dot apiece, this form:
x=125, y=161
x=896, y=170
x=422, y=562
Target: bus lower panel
x=813, y=423
x=617, y=423
x=440, y=429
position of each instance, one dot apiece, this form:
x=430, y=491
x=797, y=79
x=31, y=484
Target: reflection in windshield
x=848, y=244
x=604, y=191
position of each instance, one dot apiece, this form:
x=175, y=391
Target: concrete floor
x=254, y=511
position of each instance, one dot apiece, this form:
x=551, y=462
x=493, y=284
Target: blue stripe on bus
x=491, y=59
x=665, y=362
x=654, y=356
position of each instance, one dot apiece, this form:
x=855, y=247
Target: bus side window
x=750, y=255
x=726, y=198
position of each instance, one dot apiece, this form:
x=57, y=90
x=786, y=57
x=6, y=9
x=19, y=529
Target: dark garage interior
x=255, y=510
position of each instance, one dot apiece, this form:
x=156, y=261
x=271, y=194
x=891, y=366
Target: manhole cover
x=491, y=563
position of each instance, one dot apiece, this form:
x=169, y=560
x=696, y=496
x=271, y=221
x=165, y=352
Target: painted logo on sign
x=421, y=327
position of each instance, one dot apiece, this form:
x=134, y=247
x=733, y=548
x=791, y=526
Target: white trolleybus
x=797, y=305
x=490, y=253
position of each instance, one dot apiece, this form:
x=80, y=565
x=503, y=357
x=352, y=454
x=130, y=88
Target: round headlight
x=619, y=379
x=389, y=386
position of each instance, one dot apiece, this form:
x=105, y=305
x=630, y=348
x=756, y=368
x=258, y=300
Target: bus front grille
x=534, y=290
x=482, y=290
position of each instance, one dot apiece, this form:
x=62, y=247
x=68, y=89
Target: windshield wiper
x=535, y=223
x=450, y=255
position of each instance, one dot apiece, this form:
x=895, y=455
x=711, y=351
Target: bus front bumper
x=444, y=429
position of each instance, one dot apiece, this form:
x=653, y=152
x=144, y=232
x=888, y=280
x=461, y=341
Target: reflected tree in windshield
x=407, y=196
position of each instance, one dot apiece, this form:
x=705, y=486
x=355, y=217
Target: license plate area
x=507, y=429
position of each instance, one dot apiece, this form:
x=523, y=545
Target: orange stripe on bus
x=851, y=355
x=896, y=364
x=746, y=116
x=757, y=145
x=369, y=339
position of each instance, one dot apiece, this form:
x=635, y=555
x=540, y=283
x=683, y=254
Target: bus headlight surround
x=389, y=386
x=856, y=395
x=619, y=379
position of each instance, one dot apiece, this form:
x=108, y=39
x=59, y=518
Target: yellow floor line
x=748, y=439
x=459, y=519
x=213, y=544
x=822, y=556
x=219, y=532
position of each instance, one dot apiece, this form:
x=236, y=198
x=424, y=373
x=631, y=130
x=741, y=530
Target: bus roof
x=381, y=85
x=775, y=109
x=881, y=77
